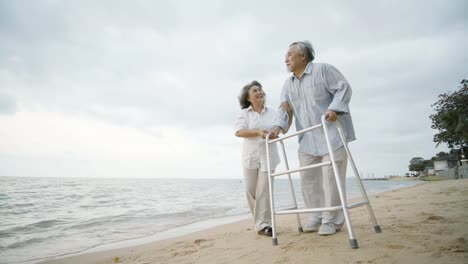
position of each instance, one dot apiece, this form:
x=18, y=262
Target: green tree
x=416, y=160
x=451, y=117
x=428, y=163
x=419, y=164
x=441, y=155
x=416, y=167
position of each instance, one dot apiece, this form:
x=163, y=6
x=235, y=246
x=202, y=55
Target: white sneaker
x=327, y=229
x=311, y=226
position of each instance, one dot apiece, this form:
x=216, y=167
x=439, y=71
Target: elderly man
x=313, y=90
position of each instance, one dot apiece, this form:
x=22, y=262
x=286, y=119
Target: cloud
x=157, y=66
x=155, y=152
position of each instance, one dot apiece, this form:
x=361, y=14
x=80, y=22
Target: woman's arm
x=250, y=133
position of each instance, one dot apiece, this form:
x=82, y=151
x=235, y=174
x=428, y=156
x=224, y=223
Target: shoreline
x=413, y=201
x=183, y=230
x=169, y=234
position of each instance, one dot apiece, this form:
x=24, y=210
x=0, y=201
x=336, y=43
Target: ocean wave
x=69, y=184
x=48, y=223
x=195, y=214
x=99, y=196
x=16, y=210
x=97, y=204
x=25, y=242
x=91, y=223
x=177, y=218
x=69, y=197
x=22, y=205
x=31, y=228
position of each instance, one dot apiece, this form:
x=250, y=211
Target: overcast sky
x=149, y=88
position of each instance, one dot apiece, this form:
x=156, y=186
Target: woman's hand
x=264, y=133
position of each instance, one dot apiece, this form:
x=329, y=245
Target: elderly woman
x=253, y=123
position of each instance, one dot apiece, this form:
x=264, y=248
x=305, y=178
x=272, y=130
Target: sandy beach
x=427, y=223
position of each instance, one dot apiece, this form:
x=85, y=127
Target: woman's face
x=256, y=95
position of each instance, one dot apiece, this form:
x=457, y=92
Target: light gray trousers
x=319, y=187
x=258, y=197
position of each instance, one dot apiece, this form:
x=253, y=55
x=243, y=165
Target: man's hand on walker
x=330, y=115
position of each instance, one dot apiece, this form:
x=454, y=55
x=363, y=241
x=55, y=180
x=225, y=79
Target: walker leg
x=291, y=187
x=339, y=185
x=353, y=243
x=377, y=229
x=358, y=178
x=272, y=199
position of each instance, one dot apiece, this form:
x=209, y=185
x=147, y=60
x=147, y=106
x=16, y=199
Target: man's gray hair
x=304, y=47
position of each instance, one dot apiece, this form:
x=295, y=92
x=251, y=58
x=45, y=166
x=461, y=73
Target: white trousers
x=319, y=187
x=258, y=197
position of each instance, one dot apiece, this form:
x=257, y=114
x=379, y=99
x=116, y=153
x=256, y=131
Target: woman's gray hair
x=304, y=47
x=244, y=95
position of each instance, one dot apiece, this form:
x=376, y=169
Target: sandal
x=266, y=231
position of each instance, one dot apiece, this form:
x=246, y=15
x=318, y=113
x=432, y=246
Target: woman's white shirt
x=254, y=149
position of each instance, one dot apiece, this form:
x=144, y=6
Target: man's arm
x=284, y=115
x=339, y=87
x=287, y=107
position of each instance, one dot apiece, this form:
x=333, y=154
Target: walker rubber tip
x=274, y=241
x=353, y=243
x=301, y=230
x=377, y=229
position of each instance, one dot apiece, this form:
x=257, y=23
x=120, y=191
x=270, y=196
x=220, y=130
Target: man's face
x=294, y=60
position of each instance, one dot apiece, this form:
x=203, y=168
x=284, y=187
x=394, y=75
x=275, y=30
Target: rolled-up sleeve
x=339, y=87
x=241, y=122
x=282, y=117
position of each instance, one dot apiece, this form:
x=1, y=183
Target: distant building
x=446, y=167
x=440, y=165
x=430, y=171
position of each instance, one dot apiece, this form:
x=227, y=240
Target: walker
x=344, y=205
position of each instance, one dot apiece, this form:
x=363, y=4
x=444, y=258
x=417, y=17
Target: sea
x=45, y=218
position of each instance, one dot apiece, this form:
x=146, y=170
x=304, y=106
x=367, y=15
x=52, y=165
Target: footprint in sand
x=370, y=261
x=442, y=231
x=203, y=243
x=183, y=253
x=435, y=218
x=282, y=260
x=394, y=246
x=286, y=247
x=191, y=248
x=199, y=241
x=458, y=245
x=423, y=213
